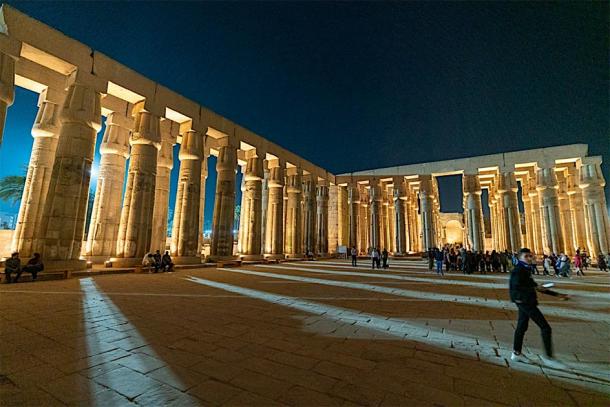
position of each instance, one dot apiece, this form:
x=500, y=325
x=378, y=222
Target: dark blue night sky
x=353, y=86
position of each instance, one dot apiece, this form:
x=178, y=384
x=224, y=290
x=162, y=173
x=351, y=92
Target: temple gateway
x=289, y=206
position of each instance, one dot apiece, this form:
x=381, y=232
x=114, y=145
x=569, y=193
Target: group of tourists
x=379, y=258
x=158, y=262
x=457, y=258
x=13, y=265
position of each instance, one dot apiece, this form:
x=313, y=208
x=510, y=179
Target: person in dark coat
x=522, y=290
x=34, y=266
x=12, y=265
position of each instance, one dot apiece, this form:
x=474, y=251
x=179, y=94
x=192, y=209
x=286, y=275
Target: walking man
x=522, y=288
x=354, y=254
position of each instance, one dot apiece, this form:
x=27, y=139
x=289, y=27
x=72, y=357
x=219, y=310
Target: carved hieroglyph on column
x=293, y=235
x=333, y=218
x=473, y=211
x=185, y=228
x=375, y=202
x=7, y=87
x=135, y=229
x=106, y=213
x=322, y=218
x=363, y=220
x=274, y=230
x=63, y=222
x=546, y=184
x=309, y=213
x=565, y=215
x=596, y=213
x=577, y=212
x=400, y=202
x=251, y=210
x=45, y=132
x=426, y=207
x=353, y=198
x=165, y=164
x=224, y=202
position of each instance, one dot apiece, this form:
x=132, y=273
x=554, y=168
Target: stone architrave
x=353, y=198
x=474, y=211
x=106, y=213
x=293, y=229
x=224, y=203
x=185, y=237
x=252, y=207
x=63, y=222
x=135, y=229
x=274, y=230
x=546, y=184
x=7, y=86
x=46, y=133
x=592, y=184
x=165, y=164
x=309, y=213
x=322, y=219
x=375, y=203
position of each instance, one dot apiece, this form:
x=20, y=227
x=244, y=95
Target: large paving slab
x=303, y=333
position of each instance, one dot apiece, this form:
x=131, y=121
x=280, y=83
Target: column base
x=295, y=255
x=251, y=257
x=65, y=265
x=187, y=260
x=119, y=262
x=217, y=258
x=98, y=259
x=276, y=256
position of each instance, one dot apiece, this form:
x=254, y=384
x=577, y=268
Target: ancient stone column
x=322, y=219
x=7, y=86
x=333, y=218
x=426, y=208
x=384, y=238
x=274, y=231
x=343, y=215
x=265, y=203
x=252, y=209
x=507, y=187
x=375, y=202
x=565, y=214
x=106, y=213
x=577, y=213
x=546, y=184
x=165, y=162
x=224, y=203
x=400, y=202
x=309, y=213
x=204, y=177
x=353, y=198
x=63, y=222
x=391, y=246
x=292, y=231
x=473, y=211
x=592, y=184
x=185, y=227
x=536, y=219
x=135, y=229
x=242, y=219
x=363, y=221
x=46, y=133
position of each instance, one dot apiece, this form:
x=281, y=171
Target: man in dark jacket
x=523, y=293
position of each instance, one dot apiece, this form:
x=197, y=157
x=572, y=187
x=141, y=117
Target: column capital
x=591, y=173
x=146, y=130
x=507, y=182
x=254, y=168
x=116, y=135
x=82, y=104
x=46, y=123
x=471, y=184
x=192, y=146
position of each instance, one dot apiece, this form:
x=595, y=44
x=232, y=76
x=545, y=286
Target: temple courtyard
x=296, y=333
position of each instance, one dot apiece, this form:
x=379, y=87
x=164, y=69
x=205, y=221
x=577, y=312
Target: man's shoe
x=553, y=363
x=519, y=357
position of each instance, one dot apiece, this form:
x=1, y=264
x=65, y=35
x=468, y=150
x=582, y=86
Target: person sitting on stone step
x=34, y=266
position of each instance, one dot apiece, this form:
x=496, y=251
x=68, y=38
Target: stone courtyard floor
x=303, y=333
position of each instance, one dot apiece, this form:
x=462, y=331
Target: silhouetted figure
x=12, y=265
x=34, y=266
